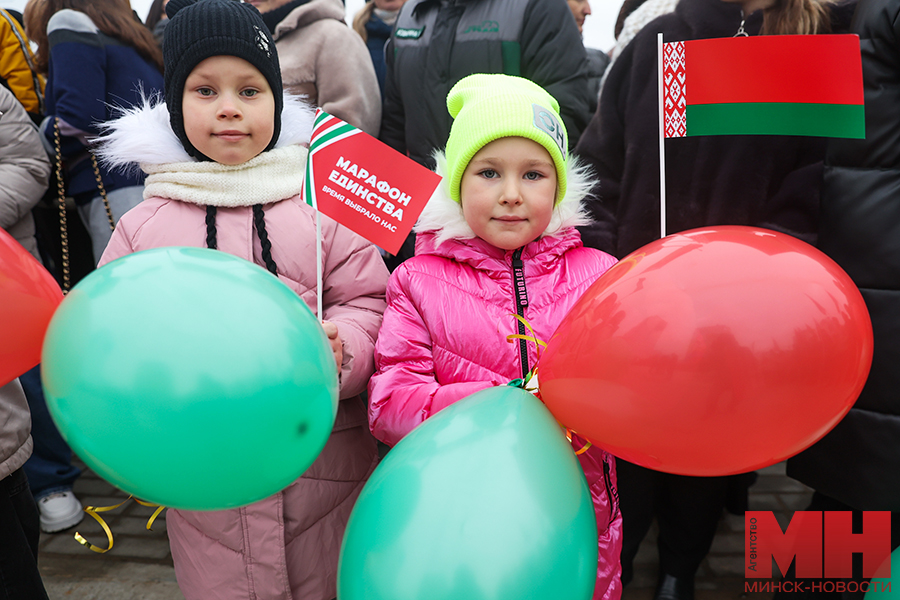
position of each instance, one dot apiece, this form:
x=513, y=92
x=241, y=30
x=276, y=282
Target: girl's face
x=508, y=191
x=228, y=109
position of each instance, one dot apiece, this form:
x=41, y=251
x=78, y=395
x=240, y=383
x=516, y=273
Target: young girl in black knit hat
x=224, y=157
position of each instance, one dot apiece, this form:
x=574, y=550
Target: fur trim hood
x=444, y=218
x=142, y=134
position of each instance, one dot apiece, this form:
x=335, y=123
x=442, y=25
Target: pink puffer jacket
x=445, y=332
x=286, y=546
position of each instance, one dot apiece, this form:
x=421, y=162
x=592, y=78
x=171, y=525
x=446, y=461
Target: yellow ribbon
x=583, y=449
x=530, y=384
x=531, y=338
x=93, y=510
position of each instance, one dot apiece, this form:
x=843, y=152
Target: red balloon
x=28, y=297
x=711, y=352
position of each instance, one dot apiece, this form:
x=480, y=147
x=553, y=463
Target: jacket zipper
x=518, y=270
x=613, y=498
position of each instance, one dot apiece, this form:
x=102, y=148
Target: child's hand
x=337, y=346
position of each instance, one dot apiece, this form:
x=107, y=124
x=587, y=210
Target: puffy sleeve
x=353, y=285
x=404, y=391
x=122, y=240
x=24, y=166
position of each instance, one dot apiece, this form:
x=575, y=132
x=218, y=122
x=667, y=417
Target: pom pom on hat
x=489, y=107
x=199, y=29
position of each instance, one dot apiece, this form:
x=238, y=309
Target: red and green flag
x=764, y=85
x=364, y=184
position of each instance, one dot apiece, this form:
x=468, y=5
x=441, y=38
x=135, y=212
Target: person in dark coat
x=762, y=181
x=436, y=43
x=597, y=60
x=374, y=23
x=857, y=465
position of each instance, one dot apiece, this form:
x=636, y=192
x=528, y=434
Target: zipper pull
x=741, y=32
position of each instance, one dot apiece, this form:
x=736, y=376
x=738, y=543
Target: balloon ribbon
x=530, y=383
x=92, y=510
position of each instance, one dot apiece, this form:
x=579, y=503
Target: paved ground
x=139, y=567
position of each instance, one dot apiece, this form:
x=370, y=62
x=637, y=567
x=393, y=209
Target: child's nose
x=228, y=107
x=512, y=193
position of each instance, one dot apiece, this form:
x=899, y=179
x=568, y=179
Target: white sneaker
x=59, y=511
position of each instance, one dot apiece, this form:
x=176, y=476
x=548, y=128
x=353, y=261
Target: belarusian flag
x=764, y=85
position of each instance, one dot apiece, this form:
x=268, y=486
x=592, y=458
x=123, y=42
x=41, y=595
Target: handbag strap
x=109, y=216
x=61, y=195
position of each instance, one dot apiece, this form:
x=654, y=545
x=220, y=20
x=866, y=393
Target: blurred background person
x=98, y=59
x=856, y=465
x=324, y=59
x=436, y=43
x=772, y=182
x=17, y=72
x=18, y=514
x=157, y=19
x=597, y=60
x=374, y=23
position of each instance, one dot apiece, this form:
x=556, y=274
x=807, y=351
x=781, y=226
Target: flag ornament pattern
x=327, y=130
x=807, y=85
x=674, y=102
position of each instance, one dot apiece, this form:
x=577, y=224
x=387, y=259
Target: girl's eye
x=250, y=93
x=488, y=173
x=533, y=175
x=205, y=91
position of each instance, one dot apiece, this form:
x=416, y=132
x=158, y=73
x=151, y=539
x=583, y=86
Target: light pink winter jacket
x=286, y=546
x=445, y=332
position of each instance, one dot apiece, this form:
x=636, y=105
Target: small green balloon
x=483, y=501
x=882, y=588
x=190, y=378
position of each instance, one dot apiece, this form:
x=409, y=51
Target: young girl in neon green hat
x=497, y=240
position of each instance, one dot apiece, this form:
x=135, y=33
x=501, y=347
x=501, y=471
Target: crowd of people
x=151, y=131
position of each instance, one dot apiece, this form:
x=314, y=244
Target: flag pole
x=319, y=266
x=662, y=139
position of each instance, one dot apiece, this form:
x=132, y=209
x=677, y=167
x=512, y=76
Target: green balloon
x=882, y=588
x=190, y=378
x=484, y=501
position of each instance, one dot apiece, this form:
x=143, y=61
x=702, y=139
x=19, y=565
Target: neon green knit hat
x=489, y=107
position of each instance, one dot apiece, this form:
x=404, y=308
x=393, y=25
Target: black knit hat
x=199, y=29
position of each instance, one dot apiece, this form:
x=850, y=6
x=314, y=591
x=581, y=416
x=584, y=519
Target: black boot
x=670, y=587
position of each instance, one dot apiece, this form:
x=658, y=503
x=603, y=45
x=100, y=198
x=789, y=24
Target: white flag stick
x=319, y=266
x=662, y=139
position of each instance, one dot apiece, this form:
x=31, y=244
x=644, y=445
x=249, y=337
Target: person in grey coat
x=24, y=170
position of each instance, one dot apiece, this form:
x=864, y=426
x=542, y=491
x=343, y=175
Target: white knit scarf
x=269, y=177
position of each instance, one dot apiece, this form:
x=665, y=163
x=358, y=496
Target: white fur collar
x=143, y=136
x=445, y=217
